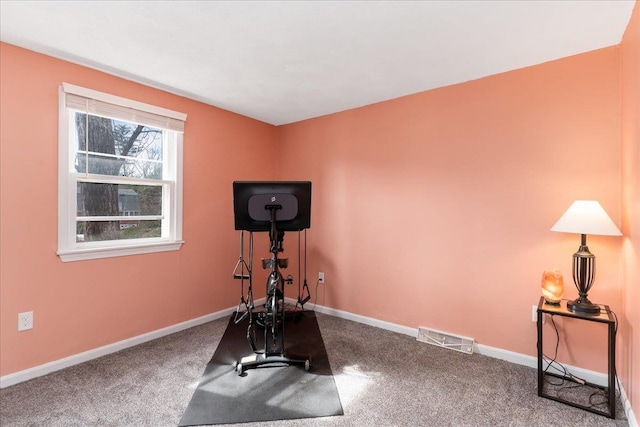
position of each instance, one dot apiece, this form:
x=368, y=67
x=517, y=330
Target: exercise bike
x=272, y=319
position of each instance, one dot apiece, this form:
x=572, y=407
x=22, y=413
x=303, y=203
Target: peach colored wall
x=83, y=305
x=630, y=322
x=434, y=209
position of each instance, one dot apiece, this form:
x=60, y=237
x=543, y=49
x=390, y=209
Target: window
x=120, y=176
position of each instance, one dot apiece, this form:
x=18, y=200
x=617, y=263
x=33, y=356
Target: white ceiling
x=285, y=61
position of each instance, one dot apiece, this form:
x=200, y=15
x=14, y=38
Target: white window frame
x=171, y=240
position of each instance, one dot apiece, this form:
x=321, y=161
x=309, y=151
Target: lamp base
x=585, y=307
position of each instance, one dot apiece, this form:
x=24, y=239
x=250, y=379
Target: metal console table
x=605, y=317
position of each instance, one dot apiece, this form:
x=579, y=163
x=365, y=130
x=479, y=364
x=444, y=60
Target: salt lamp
x=552, y=286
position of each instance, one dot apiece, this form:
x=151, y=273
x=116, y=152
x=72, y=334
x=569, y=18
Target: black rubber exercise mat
x=265, y=393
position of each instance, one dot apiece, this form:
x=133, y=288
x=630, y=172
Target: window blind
x=113, y=107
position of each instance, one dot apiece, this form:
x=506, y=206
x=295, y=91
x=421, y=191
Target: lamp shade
x=586, y=217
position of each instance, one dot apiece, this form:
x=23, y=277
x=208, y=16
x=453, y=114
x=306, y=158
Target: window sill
x=116, y=251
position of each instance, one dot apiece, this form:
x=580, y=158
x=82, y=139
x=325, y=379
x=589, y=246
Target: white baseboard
x=38, y=371
x=485, y=350
x=497, y=353
x=594, y=377
x=368, y=321
x=626, y=404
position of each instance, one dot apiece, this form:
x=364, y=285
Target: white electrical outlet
x=25, y=321
x=321, y=278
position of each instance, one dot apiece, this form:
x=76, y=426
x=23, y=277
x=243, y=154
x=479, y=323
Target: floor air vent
x=443, y=339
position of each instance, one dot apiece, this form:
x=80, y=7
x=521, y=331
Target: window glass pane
x=95, y=231
x=116, y=147
x=102, y=199
x=117, y=166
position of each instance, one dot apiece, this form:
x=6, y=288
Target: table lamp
x=585, y=217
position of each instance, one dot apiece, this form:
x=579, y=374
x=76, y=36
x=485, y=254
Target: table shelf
x=605, y=316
